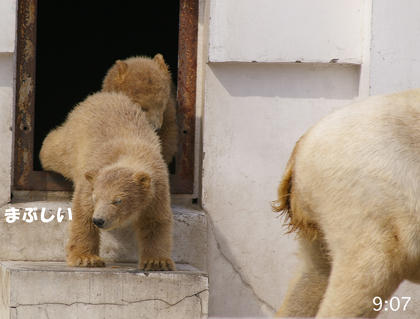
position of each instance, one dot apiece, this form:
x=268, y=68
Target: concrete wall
x=249, y=133
x=258, y=102
x=8, y=15
x=395, y=66
x=395, y=56
x=286, y=31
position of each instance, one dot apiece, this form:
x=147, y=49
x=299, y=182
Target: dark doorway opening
x=65, y=60
x=77, y=42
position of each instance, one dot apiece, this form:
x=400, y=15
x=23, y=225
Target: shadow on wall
x=289, y=80
x=7, y=65
x=232, y=292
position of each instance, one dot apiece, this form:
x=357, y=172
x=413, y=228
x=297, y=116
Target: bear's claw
x=157, y=264
x=85, y=261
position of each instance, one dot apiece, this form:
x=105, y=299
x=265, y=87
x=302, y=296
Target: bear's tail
x=296, y=218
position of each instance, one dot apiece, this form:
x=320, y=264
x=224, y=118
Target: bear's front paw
x=85, y=261
x=151, y=264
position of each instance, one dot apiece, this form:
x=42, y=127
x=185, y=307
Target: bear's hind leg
x=357, y=277
x=83, y=244
x=308, y=287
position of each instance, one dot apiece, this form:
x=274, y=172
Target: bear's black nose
x=98, y=222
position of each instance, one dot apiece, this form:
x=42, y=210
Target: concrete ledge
x=41, y=241
x=54, y=290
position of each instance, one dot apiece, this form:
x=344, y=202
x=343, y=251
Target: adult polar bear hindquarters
x=351, y=191
x=112, y=154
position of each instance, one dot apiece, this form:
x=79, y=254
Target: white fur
x=352, y=191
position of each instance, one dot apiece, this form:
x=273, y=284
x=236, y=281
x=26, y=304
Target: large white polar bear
x=351, y=191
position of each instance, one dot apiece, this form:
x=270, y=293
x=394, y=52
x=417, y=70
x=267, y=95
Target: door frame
x=25, y=178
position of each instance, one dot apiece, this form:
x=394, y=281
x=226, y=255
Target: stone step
x=42, y=290
x=45, y=241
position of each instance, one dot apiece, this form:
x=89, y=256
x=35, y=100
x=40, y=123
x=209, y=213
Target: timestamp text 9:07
x=394, y=303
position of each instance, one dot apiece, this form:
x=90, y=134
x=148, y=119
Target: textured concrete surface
x=53, y=290
x=45, y=241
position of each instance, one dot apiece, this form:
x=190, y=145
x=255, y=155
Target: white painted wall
x=395, y=66
x=286, y=31
x=253, y=113
x=249, y=134
x=8, y=16
x=395, y=55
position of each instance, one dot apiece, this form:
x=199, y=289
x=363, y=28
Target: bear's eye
x=117, y=201
x=94, y=199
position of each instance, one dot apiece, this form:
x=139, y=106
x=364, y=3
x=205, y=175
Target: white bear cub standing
x=351, y=191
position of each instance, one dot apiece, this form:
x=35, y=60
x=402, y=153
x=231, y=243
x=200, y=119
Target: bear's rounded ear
x=160, y=61
x=143, y=178
x=90, y=175
x=121, y=71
